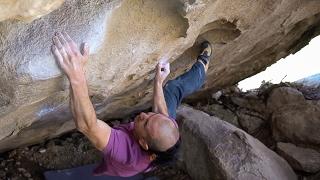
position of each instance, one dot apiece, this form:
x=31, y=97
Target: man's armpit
x=99, y=134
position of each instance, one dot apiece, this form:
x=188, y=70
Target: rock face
x=27, y=10
x=294, y=119
x=127, y=38
x=302, y=159
x=215, y=149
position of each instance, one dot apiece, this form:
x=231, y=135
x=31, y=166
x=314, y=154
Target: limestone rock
x=127, y=37
x=214, y=149
x=302, y=159
x=294, y=119
x=27, y=10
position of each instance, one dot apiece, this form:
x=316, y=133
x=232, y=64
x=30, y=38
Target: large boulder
x=127, y=38
x=214, y=149
x=294, y=119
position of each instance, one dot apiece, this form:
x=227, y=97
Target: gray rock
x=281, y=97
x=221, y=112
x=294, y=119
x=214, y=149
x=250, y=121
x=302, y=159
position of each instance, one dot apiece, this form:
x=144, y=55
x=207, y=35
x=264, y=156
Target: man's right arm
x=159, y=102
x=72, y=63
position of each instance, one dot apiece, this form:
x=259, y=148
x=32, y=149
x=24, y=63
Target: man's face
x=146, y=125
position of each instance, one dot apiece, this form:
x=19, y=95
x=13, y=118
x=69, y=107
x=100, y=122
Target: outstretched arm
x=72, y=62
x=159, y=103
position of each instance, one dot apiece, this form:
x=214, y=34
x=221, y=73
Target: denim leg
x=184, y=85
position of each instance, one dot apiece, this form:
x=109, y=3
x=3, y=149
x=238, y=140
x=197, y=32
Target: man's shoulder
x=126, y=126
x=123, y=147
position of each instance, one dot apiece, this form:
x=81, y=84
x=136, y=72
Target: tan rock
x=27, y=10
x=294, y=119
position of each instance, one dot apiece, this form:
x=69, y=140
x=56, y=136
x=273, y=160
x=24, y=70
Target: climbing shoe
x=206, y=52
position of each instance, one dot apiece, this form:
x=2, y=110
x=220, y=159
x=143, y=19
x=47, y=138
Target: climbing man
x=152, y=138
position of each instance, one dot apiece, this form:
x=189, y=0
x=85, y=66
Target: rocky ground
x=256, y=112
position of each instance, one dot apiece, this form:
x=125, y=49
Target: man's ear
x=143, y=144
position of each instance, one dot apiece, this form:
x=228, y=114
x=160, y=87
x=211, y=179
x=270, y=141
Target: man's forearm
x=159, y=103
x=81, y=106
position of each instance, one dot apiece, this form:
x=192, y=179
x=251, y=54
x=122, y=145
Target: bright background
x=304, y=63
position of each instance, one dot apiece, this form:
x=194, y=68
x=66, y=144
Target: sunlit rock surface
x=127, y=38
x=27, y=10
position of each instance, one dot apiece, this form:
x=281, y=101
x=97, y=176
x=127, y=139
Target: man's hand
x=162, y=71
x=69, y=57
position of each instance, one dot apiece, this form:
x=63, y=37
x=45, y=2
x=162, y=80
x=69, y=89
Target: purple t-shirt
x=123, y=156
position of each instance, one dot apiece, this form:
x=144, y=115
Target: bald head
x=163, y=135
x=155, y=131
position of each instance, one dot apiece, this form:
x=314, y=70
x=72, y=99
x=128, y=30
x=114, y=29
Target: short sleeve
x=119, y=147
x=123, y=156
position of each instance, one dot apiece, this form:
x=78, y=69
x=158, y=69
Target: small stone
x=22, y=170
x=217, y=95
x=26, y=174
x=42, y=150
x=18, y=163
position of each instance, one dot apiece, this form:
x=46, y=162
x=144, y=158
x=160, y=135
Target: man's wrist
x=78, y=81
x=158, y=82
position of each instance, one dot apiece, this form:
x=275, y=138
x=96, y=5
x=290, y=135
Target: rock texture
x=27, y=10
x=294, y=119
x=301, y=159
x=127, y=38
x=215, y=149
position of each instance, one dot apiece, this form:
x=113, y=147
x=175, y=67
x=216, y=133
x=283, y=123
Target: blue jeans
x=184, y=85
